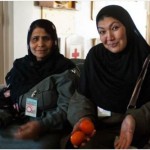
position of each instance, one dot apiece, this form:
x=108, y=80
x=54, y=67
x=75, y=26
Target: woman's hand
x=126, y=134
x=77, y=128
x=30, y=130
x=7, y=93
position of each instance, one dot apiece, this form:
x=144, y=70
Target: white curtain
x=148, y=22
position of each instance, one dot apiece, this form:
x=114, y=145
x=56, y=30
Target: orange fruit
x=77, y=138
x=87, y=126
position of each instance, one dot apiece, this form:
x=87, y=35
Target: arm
x=55, y=118
x=142, y=118
x=137, y=120
x=79, y=108
x=65, y=84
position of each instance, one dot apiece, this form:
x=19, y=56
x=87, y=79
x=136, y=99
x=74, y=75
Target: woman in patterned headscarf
x=108, y=79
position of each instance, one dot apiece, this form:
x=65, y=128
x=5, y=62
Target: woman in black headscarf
x=40, y=86
x=108, y=79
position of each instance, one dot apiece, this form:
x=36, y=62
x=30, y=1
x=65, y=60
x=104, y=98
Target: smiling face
x=112, y=34
x=40, y=43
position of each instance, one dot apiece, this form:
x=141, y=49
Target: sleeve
x=142, y=118
x=56, y=118
x=6, y=118
x=80, y=107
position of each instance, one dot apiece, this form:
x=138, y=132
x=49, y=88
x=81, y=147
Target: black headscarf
x=109, y=78
x=27, y=71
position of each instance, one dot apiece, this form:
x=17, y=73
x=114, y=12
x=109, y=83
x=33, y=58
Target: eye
x=34, y=39
x=114, y=28
x=46, y=38
x=102, y=32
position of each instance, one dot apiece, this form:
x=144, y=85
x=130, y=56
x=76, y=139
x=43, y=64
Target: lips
x=41, y=51
x=113, y=44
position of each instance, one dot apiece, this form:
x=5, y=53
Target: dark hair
x=49, y=27
x=122, y=15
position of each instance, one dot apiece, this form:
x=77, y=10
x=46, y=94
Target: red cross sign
x=75, y=54
x=75, y=51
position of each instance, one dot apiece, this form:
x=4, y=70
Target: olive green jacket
x=53, y=96
x=80, y=107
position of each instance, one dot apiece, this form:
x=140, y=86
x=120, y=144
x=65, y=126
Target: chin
x=39, y=58
x=115, y=50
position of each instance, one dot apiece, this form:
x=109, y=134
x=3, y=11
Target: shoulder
x=20, y=60
x=95, y=49
x=94, y=53
x=67, y=78
x=68, y=74
x=66, y=60
x=57, y=79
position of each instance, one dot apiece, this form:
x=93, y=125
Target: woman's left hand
x=29, y=130
x=126, y=134
x=7, y=93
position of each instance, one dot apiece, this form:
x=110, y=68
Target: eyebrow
x=109, y=25
x=40, y=36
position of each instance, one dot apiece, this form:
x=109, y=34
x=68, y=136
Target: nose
x=110, y=36
x=40, y=42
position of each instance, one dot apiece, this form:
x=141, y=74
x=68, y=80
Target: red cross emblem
x=75, y=54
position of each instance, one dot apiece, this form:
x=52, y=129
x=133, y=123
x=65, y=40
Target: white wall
x=136, y=9
x=24, y=13
x=68, y=21
x=77, y=22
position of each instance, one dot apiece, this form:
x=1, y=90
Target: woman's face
x=40, y=43
x=112, y=34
